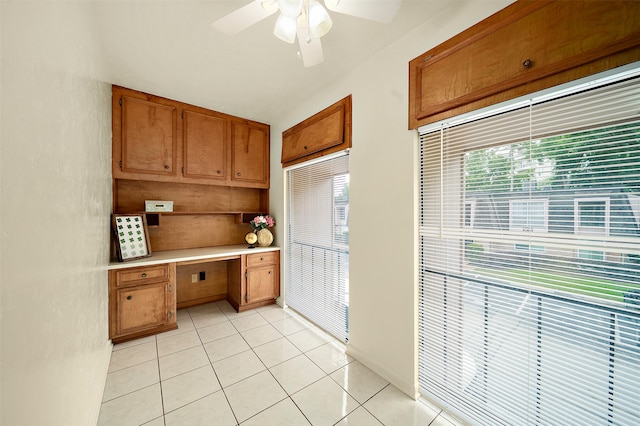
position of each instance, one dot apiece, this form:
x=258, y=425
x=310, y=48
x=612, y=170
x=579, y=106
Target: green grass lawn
x=591, y=286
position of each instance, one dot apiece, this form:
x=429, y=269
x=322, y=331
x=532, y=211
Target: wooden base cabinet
x=260, y=282
x=142, y=301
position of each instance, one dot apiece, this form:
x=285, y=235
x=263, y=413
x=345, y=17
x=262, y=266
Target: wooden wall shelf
x=203, y=216
x=153, y=218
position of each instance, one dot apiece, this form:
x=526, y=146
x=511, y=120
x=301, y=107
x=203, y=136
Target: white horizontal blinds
x=318, y=244
x=530, y=262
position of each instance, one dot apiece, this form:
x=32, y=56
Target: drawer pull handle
x=261, y=259
x=527, y=63
x=144, y=275
x=129, y=297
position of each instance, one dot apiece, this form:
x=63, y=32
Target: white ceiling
x=169, y=48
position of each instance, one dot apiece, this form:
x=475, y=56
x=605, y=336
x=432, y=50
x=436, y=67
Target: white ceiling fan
x=306, y=20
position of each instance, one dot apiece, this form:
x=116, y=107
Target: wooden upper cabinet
x=325, y=132
x=250, y=154
x=162, y=140
x=526, y=47
x=148, y=132
x=205, y=146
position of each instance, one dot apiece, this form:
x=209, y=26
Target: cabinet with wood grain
x=260, y=281
x=163, y=140
x=324, y=133
x=526, y=47
x=142, y=301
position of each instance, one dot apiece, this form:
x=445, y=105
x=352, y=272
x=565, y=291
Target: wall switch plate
x=194, y=278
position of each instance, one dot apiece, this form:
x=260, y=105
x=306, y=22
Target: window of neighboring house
x=592, y=217
x=528, y=216
x=317, y=255
x=529, y=240
x=469, y=213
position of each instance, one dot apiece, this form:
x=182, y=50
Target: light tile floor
x=267, y=366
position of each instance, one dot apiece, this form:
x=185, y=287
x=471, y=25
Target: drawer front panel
x=142, y=275
x=261, y=259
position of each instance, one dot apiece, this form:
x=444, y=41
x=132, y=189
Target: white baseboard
x=409, y=388
x=97, y=400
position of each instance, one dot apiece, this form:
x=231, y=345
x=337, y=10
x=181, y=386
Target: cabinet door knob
x=261, y=259
x=527, y=63
x=166, y=167
x=144, y=275
x=269, y=272
x=238, y=174
x=129, y=297
x=218, y=171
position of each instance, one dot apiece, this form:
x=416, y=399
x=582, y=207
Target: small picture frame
x=132, y=236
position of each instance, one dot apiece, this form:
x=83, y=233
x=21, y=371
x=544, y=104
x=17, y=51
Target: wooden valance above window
x=526, y=47
x=324, y=133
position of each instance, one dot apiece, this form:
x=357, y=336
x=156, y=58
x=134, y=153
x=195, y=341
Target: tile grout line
x=288, y=396
x=269, y=371
x=229, y=316
x=235, y=416
x=316, y=381
x=160, y=380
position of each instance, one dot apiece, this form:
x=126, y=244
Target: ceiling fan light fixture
x=290, y=8
x=319, y=20
x=286, y=28
x=331, y=3
x=271, y=6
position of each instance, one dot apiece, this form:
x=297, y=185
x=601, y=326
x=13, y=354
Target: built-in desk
x=145, y=293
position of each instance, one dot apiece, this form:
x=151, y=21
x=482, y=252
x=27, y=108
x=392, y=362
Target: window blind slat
x=530, y=261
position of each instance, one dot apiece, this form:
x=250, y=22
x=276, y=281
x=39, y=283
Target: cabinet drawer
x=142, y=275
x=257, y=259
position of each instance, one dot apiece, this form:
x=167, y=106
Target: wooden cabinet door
x=528, y=46
x=148, y=137
x=205, y=146
x=142, y=307
x=261, y=283
x=323, y=133
x=250, y=155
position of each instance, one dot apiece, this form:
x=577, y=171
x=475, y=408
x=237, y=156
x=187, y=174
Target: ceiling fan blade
x=311, y=50
x=374, y=10
x=242, y=18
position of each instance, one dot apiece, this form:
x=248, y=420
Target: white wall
x=383, y=208
x=55, y=202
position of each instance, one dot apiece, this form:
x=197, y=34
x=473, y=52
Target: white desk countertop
x=185, y=255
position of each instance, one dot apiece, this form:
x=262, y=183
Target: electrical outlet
x=194, y=278
x=202, y=276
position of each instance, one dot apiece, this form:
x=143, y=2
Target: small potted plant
x=261, y=225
